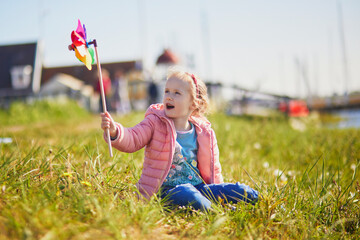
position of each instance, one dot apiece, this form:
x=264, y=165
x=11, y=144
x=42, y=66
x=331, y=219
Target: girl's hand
x=108, y=122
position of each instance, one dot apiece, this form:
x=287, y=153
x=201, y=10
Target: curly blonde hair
x=198, y=90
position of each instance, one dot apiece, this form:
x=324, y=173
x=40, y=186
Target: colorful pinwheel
x=81, y=46
x=86, y=55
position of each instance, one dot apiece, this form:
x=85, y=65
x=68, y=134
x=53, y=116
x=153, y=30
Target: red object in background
x=294, y=108
x=107, y=86
x=283, y=107
x=167, y=57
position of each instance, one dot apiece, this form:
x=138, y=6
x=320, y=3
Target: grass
x=58, y=182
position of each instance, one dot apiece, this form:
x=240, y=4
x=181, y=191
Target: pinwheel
x=86, y=55
x=81, y=46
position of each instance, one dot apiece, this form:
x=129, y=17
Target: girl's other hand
x=108, y=123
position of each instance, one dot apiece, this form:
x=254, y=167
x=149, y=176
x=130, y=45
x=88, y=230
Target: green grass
x=58, y=182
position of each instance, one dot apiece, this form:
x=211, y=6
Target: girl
x=181, y=152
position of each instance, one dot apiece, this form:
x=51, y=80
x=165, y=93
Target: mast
x=206, y=42
x=343, y=47
x=142, y=32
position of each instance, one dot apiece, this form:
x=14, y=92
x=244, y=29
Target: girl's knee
x=184, y=189
x=187, y=194
x=249, y=194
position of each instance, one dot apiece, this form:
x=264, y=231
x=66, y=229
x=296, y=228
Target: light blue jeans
x=200, y=196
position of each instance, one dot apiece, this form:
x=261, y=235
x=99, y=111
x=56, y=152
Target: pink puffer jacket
x=157, y=133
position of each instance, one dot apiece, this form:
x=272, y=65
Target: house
x=20, y=71
x=89, y=77
x=22, y=74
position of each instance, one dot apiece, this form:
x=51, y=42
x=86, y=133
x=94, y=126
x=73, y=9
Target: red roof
x=167, y=57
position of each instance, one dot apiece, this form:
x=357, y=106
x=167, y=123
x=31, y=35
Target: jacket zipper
x=212, y=158
x=212, y=162
x=170, y=155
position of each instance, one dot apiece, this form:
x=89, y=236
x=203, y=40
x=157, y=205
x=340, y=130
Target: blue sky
x=252, y=43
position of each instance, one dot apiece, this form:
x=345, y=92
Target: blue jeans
x=200, y=196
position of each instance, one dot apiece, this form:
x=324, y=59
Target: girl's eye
x=166, y=91
x=177, y=93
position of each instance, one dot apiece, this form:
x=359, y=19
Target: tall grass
x=41, y=111
x=58, y=182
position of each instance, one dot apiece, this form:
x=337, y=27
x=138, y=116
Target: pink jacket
x=157, y=133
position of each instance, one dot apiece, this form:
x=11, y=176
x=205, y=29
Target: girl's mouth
x=169, y=106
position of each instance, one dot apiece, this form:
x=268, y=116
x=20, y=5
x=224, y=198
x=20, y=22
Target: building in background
x=20, y=71
x=23, y=75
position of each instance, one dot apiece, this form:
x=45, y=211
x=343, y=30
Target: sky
x=297, y=48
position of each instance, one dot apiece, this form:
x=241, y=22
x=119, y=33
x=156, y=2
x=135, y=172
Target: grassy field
x=58, y=182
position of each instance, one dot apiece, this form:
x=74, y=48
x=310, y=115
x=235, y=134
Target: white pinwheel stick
x=102, y=92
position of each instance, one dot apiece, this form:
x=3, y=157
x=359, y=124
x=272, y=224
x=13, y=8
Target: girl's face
x=177, y=100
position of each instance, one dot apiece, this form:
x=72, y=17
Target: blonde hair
x=198, y=90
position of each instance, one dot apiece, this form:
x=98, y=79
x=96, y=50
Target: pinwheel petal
x=91, y=51
x=77, y=39
x=85, y=33
x=78, y=56
x=86, y=59
x=80, y=30
x=82, y=50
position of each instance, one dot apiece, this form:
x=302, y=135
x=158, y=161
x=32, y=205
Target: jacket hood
x=156, y=109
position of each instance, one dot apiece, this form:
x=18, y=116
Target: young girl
x=181, y=152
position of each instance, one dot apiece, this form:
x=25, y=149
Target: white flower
x=266, y=165
x=353, y=166
x=352, y=195
x=280, y=173
x=257, y=145
x=277, y=172
x=290, y=173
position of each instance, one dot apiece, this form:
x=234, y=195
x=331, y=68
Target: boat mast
x=343, y=46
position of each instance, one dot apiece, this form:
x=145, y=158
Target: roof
x=90, y=77
x=167, y=57
x=62, y=83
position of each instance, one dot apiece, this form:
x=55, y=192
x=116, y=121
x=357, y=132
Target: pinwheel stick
x=102, y=92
